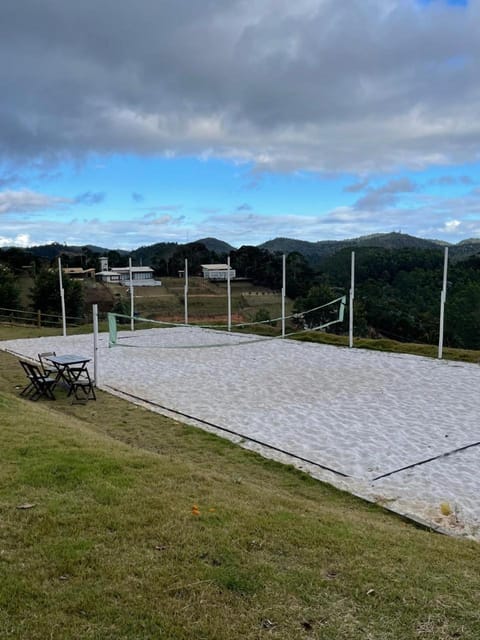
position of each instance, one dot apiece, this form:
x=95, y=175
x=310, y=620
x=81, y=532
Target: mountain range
x=314, y=252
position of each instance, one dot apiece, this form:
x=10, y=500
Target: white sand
x=362, y=413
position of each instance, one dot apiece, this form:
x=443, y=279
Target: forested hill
x=314, y=252
x=317, y=252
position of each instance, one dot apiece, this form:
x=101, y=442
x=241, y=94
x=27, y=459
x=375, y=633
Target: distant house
x=217, y=272
x=141, y=276
x=78, y=273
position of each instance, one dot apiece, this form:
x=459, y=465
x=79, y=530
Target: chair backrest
x=35, y=370
x=25, y=366
x=42, y=356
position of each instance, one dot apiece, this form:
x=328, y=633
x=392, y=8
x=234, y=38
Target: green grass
x=112, y=550
x=383, y=344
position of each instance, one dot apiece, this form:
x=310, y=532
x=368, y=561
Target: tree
x=9, y=291
x=299, y=275
x=317, y=296
x=258, y=265
x=115, y=259
x=263, y=316
x=45, y=294
x=121, y=307
x=196, y=253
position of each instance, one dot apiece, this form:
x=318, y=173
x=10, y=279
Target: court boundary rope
x=226, y=430
x=426, y=461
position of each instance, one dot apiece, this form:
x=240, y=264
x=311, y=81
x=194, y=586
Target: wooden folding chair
x=48, y=369
x=81, y=383
x=30, y=387
x=40, y=385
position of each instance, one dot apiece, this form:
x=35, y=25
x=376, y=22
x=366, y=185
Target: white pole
x=284, y=286
x=185, y=295
x=62, y=297
x=229, y=297
x=352, y=296
x=443, y=297
x=95, y=344
x=132, y=299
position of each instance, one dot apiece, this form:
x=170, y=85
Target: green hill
x=316, y=252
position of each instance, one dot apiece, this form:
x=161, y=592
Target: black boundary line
x=417, y=464
x=235, y=433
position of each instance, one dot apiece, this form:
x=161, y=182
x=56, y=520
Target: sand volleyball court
x=397, y=429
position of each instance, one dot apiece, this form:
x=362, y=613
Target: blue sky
x=175, y=121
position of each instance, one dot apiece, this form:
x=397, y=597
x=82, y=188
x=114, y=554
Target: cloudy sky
x=140, y=121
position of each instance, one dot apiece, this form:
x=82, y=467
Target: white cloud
x=21, y=240
x=29, y=201
x=452, y=226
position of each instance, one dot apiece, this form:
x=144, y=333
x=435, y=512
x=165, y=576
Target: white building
x=141, y=276
x=217, y=272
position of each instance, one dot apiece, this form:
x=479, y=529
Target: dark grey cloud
x=361, y=85
x=397, y=185
x=90, y=198
x=448, y=181
x=386, y=195
x=137, y=197
x=244, y=207
x=355, y=187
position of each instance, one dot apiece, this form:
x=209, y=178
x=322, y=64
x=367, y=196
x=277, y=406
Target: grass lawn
x=138, y=527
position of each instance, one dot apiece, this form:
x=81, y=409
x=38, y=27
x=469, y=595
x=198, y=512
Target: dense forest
x=397, y=290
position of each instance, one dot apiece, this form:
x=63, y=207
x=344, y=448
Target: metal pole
x=352, y=296
x=185, y=296
x=284, y=286
x=229, y=297
x=95, y=344
x=62, y=297
x=132, y=299
x=443, y=297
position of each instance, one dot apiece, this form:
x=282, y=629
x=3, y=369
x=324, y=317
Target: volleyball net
x=315, y=319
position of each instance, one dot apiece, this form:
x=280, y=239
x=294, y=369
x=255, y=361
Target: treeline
x=397, y=294
x=397, y=291
x=43, y=295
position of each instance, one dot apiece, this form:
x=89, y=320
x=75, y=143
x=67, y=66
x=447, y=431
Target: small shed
x=79, y=273
x=217, y=272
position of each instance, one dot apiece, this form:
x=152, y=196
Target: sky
x=123, y=124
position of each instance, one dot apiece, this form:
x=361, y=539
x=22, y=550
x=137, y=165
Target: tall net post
x=62, y=297
x=229, y=297
x=443, y=297
x=185, y=292
x=284, y=286
x=352, y=296
x=95, y=344
x=132, y=299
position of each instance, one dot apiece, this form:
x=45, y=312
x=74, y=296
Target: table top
x=69, y=358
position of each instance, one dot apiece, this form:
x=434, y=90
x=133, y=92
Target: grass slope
x=113, y=547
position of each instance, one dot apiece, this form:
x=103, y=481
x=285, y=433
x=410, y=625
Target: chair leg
x=86, y=387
